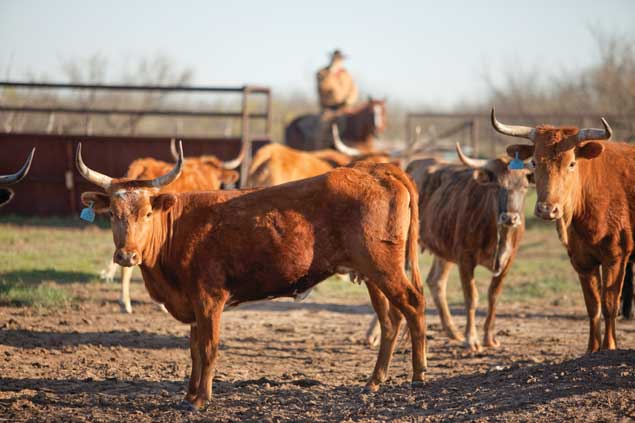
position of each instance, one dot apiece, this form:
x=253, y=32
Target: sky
x=416, y=52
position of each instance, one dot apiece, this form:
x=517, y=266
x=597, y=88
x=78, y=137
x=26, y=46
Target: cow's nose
x=126, y=258
x=547, y=211
x=510, y=219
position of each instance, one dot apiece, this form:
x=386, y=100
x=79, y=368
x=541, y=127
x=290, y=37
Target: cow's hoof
x=455, y=336
x=473, y=345
x=371, y=387
x=372, y=341
x=126, y=308
x=491, y=342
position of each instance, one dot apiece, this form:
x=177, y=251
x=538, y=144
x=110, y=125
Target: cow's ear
x=524, y=151
x=99, y=201
x=589, y=150
x=163, y=202
x=483, y=176
x=5, y=196
x=229, y=176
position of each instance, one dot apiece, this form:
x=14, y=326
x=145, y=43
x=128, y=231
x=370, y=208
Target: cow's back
x=457, y=215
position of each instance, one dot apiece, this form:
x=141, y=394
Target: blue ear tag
x=516, y=164
x=88, y=214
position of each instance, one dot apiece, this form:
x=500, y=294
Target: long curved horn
x=339, y=144
x=512, y=130
x=20, y=174
x=470, y=162
x=170, y=176
x=233, y=164
x=173, y=152
x=90, y=175
x=596, y=134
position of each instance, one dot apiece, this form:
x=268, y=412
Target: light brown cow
x=202, y=173
x=470, y=215
x=275, y=164
x=6, y=194
x=589, y=186
x=198, y=256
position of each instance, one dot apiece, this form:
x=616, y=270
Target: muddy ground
x=286, y=361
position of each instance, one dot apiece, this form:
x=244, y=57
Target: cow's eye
x=149, y=214
x=572, y=165
x=532, y=164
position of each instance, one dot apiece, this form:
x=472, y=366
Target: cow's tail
x=412, y=244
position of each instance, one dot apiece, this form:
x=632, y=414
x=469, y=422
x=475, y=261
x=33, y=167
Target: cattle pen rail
x=471, y=128
x=53, y=179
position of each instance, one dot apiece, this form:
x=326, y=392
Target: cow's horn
x=171, y=175
x=470, y=162
x=596, y=134
x=20, y=174
x=339, y=144
x=233, y=164
x=173, y=152
x=513, y=130
x=90, y=175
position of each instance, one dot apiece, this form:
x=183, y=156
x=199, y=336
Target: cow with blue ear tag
x=471, y=214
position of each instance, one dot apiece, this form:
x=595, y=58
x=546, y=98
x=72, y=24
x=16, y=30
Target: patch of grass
x=42, y=295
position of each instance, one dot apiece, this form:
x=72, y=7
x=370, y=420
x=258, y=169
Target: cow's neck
x=159, y=245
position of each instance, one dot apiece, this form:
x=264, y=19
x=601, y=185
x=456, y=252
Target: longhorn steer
x=202, y=173
x=589, y=186
x=471, y=214
x=198, y=256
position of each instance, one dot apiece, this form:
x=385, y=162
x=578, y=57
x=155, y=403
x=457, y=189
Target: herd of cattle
x=306, y=215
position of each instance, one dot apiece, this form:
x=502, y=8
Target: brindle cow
x=470, y=214
x=589, y=185
x=202, y=173
x=6, y=194
x=198, y=256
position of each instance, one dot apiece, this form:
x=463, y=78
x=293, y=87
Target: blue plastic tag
x=88, y=214
x=516, y=164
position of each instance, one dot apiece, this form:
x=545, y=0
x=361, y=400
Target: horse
x=357, y=125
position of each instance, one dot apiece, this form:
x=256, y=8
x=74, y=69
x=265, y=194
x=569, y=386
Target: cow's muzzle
x=548, y=211
x=127, y=258
x=509, y=219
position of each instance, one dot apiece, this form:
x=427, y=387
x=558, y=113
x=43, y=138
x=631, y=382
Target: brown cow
x=589, y=186
x=202, y=173
x=6, y=194
x=198, y=256
x=470, y=215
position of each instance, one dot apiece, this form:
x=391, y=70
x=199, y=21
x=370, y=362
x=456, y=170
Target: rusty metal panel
x=53, y=185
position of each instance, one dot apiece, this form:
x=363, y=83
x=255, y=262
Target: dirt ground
x=286, y=361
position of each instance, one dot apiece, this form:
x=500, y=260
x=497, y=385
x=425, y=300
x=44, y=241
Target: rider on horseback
x=336, y=88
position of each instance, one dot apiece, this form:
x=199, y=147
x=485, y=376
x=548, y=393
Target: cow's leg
x=208, y=317
x=108, y=274
x=124, y=301
x=627, y=293
x=470, y=295
x=495, y=288
x=195, y=375
x=389, y=319
x=612, y=280
x=590, y=283
x=411, y=303
x=437, y=281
